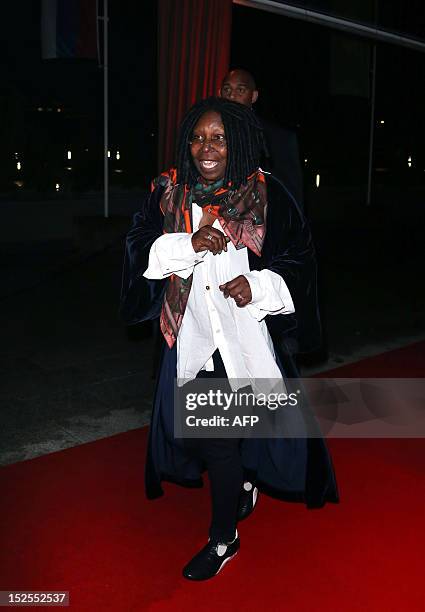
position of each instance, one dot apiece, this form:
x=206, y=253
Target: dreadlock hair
x=244, y=136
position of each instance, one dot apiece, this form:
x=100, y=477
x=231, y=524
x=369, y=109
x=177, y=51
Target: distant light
x=382, y=122
x=109, y=154
x=69, y=154
x=57, y=186
x=306, y=160
x=19, y=166
x=58, y=110
x=118, y=155
x=40, y=109
x=68, y=168
x=409, y=161
x=317, y=180
x=86, y=150
x=19, y=183
x=118, y=171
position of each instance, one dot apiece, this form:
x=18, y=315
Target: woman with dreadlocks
x=222, y=254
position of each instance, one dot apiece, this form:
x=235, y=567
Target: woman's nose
x=208, y=143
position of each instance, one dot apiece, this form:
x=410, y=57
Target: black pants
x=224, y=464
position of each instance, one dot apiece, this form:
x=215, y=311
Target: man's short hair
x=250, y=81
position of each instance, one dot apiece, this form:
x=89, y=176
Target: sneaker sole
x=254, y=497
x=224, y=563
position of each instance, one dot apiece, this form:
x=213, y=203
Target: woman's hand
x=238, y=289
x=208, y=238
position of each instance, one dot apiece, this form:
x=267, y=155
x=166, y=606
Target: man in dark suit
x=282, y=144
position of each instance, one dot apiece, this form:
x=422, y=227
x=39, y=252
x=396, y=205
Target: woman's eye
x=217, y=139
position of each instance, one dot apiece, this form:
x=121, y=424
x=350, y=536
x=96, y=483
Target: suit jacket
x=283, y=159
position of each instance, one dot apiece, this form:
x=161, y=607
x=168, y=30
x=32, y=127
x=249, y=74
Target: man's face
x=237, y=86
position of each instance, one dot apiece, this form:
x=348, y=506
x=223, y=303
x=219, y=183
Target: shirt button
x=207, y=287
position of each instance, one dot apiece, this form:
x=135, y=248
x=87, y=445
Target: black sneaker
x=247, y=501
x=211, y=559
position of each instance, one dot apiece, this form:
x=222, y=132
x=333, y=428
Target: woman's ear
x=254, y=96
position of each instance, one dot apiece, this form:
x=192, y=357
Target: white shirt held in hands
x=212, y=321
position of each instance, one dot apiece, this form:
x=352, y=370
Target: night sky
x=77, y=85
x=295, y=64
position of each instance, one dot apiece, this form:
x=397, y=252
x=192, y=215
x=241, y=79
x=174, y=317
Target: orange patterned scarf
x=241, y=214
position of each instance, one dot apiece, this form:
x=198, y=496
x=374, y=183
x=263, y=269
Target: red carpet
x=406, y=362
x=77, y=520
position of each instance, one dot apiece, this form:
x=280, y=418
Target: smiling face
x=208, y=147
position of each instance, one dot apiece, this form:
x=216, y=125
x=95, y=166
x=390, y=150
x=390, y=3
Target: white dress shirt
x=212, y=321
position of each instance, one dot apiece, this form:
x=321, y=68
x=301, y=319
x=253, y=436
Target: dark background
x=305, y=79
x=70, y=371
x=42, y=137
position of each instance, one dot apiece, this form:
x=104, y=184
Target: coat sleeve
x=141, y=298
x=291, y=254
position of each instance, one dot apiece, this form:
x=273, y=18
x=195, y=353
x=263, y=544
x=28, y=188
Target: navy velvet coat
x=296, y=469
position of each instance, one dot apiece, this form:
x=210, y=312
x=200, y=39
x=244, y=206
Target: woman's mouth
x=208, y=164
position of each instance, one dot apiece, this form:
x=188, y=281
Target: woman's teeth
x=209, y=164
